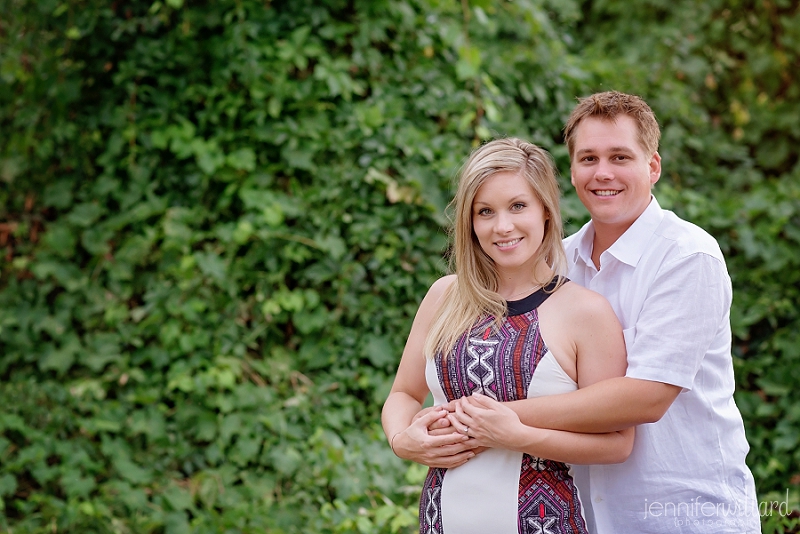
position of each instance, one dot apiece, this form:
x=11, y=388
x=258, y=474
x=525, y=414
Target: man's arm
x=605, y=406
x=686, y=307
x=494, y=424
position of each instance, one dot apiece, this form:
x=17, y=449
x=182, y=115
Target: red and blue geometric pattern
x=500, y=363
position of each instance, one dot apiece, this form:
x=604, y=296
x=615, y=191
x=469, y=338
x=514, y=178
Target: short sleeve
x=686, y=308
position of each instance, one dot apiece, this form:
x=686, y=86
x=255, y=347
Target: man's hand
x=489, y=422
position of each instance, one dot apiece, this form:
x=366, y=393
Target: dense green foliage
x=720, y=77
x=218, y=218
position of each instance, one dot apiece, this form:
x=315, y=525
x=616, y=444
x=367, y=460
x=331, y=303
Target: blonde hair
x=608, y=106
x=473, y=296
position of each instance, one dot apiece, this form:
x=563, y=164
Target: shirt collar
x=583, y=250
x=630, y=245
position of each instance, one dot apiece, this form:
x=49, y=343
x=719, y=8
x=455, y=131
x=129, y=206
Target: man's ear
x=655, y=168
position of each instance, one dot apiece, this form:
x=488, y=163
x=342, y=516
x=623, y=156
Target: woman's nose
x=503, y=223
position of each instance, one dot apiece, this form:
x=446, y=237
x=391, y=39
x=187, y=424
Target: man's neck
x=604, y=237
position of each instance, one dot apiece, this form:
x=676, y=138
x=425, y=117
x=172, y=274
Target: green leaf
x=8, y=484
x=176, y=522
x=130, y=471
x=61, y=240
x=85, y=214
x=178, y=498
x=211, y=265
x=469, y=62
x=102, y=348
x=379, y=351
x=209, y=487
x=208, y=155
x=76, y=485
x=243, y=159
x=61, y=358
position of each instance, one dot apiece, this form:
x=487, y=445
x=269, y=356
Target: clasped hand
x=490, y=423
x=448, y=436
x=431, y=440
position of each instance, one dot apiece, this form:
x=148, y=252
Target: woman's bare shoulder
x=443, y=283
x=437, y=291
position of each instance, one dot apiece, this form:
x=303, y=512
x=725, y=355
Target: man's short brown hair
x=608, y=106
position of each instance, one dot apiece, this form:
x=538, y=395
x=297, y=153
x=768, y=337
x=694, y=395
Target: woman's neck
x=519, y=286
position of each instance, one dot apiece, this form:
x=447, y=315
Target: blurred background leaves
x=217, y=220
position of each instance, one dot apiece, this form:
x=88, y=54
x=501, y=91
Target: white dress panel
x=480, y=497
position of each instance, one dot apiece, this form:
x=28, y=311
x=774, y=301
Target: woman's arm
x=410, y=439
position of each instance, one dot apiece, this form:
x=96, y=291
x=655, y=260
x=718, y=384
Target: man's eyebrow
x=621, y=148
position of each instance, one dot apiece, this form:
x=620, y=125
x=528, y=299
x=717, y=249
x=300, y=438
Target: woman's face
x=508, y=221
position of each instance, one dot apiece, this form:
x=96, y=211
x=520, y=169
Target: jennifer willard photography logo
x=698, y=512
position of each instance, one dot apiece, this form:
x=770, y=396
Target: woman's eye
x=518, y=206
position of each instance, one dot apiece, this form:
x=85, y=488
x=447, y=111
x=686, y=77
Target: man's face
x=612, y=173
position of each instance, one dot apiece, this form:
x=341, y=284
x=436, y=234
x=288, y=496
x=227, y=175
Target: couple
x=526, y=360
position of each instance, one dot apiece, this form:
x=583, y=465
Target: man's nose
x=604, y=171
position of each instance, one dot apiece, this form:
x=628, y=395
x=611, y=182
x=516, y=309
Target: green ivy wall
x=217, y=220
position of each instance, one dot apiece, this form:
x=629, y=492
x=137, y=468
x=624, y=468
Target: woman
x=507, y=325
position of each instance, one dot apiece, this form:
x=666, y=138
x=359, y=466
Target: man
x=666, y=279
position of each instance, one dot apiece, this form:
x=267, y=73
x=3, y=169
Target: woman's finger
x=454, y=460
x=427, y=419
x=443, y=422
x=440, y=443
x=443, y=431
x=424, y=411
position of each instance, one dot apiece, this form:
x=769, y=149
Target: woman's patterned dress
x=500, y=491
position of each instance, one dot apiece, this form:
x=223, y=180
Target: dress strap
x=535, y=299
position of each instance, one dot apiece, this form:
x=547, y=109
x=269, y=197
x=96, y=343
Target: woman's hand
x=489, y=422
x=440, y=447
x=440, y=426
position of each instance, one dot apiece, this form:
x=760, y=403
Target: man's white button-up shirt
x=668, y=284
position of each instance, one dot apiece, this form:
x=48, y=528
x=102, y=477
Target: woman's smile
x=508, y=244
